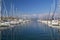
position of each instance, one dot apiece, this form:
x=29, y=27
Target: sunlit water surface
x=31, y=31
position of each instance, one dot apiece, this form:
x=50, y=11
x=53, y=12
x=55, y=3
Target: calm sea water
x=31, y=31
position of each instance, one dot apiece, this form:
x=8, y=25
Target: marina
x=29, y=20
x=52, y=23
x=31, y=31
x=7, y=22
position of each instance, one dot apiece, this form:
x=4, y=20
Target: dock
x=53, y=23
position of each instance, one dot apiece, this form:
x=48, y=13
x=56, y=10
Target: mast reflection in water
x=31, y=31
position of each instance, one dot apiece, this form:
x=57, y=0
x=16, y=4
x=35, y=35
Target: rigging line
x=49, y=12
x=54, y=10
x=5, y=6
x=50, y=31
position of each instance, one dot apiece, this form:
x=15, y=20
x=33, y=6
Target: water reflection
x=31, y=31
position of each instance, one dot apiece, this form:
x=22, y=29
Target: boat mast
x=58, y=8
x=0, y=8
x=5, y=11
x=49, y=13
x=54, y=2
x=16, y=13
x=11, y=10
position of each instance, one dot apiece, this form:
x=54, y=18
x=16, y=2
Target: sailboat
x=13, y=20
x=3, y=23
x=53, y=21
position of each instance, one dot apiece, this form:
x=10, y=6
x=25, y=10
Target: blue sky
x=29, y=6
